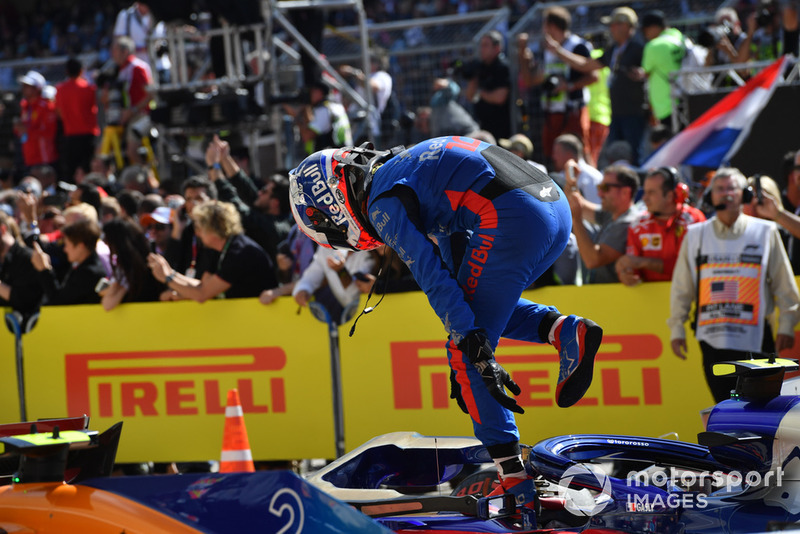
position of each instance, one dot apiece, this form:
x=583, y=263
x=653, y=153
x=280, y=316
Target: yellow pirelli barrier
x=9, y=397
x=164, y=370
x=400, y=381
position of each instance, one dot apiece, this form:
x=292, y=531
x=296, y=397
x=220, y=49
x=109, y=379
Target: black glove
x=455, y=392
x=479, y=352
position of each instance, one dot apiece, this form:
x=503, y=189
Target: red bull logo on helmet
x=309, y=186
x=321, y=192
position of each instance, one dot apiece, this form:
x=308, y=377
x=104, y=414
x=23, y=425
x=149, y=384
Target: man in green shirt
x=662, y=55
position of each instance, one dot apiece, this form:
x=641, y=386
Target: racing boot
x=576, y=339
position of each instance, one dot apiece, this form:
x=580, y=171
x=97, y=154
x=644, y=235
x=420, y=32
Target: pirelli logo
x=622, y=361
x=175, y=382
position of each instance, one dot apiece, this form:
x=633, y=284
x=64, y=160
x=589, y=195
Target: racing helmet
x=328, y=195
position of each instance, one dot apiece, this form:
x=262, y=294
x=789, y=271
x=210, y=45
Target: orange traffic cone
x=236, y=455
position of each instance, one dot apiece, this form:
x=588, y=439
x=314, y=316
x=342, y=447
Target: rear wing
x=44, y=425
x=757, y=378
x=43, y=451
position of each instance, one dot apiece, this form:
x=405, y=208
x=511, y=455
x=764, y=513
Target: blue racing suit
x=476, y=226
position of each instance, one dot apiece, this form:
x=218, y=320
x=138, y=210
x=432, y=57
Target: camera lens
x=550, y=83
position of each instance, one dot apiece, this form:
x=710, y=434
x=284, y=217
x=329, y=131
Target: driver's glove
x=479, y=352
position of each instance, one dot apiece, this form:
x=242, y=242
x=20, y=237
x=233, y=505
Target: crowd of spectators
x=95, y=224
x=49, y=29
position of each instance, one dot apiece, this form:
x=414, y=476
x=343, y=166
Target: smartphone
x=569, y=179
x=102, y=284
x=361, y=276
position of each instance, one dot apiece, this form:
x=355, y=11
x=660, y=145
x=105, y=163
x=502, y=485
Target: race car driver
x=476, y=226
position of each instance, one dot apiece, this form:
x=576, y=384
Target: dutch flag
x=715, y=137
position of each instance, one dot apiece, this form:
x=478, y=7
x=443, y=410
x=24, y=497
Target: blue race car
x=742, y=477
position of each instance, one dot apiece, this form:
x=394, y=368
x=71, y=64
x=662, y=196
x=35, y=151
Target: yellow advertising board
x=164, y=369
x=9, y=398
x=400, y=381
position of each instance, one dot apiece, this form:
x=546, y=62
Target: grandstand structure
x=420, y=50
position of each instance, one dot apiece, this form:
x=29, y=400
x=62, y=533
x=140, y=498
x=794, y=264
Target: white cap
x=159, y=215
x=49, y=92
x=33, y=79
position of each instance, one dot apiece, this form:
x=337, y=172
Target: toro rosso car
x=742, y=476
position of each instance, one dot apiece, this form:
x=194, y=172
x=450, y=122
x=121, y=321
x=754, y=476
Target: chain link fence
x=420, y=50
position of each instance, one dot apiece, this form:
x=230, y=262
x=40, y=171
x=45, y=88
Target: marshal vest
x=731, y=275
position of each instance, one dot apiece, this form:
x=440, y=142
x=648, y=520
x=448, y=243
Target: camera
x=107, y=74
x=764, y=17
x=711, y=35
x=765, y=13
x=550, y=83
x=758, y=192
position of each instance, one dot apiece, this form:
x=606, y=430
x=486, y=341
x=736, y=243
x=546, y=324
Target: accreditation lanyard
x=191, y=271
x=222, y=253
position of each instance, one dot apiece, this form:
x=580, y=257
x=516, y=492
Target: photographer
x=386, y=111
x=773, y=31
x=81, y=281
x=623, y=56
x=725, y=39
x=19, y=287
x=563, y=101
x=322, y=123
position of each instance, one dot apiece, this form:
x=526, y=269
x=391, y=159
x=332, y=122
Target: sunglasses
x=605, y=188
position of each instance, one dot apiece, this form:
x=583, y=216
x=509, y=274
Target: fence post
x=321, y=313
x=18, y=325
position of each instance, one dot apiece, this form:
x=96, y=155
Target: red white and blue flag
x=724, y=291
x=715, y=137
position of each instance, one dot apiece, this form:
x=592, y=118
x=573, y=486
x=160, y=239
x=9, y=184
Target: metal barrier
x=719, y=76
x=269, y=74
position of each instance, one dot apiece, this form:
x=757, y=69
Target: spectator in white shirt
x=568, y=147
x=330, y=279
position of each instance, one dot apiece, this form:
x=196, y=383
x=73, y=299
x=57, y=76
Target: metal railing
x=723, y=79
